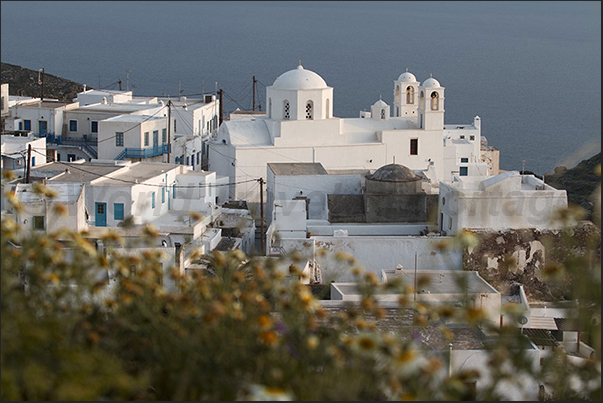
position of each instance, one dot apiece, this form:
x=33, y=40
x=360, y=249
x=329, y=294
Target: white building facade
x=299, y=126
x=502, y=202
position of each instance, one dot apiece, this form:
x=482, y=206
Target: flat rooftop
x=297, y=168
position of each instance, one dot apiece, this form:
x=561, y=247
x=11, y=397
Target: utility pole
x=261, y=180
x=119, y=81
x=28, y=162
x=221, y=107
x=169, y=125
x=41, y=81
x=254, y=93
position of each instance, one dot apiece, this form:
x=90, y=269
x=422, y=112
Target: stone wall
x=505, y=258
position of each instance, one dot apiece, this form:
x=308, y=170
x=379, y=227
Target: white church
x=299, y=126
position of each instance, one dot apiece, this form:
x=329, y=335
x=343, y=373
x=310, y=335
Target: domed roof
x=407, y=78
x=431, y=83
x=380, y=102
x=299, y=79
x=394, y=173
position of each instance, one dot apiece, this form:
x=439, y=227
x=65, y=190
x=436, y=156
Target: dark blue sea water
x=531, y=70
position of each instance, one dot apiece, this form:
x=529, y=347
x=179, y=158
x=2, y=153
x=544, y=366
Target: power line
x=97, y=175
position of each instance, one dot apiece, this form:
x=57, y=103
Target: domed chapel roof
x=407, y=77
x=394, y=173
x=299, y=79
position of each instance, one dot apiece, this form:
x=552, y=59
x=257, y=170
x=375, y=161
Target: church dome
x=394, y=173
x=407, y=78
x=380, y=103
x=299, y=79
x=431, y=83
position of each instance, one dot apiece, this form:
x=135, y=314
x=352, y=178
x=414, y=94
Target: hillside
x=580, y=182
x=24, y=82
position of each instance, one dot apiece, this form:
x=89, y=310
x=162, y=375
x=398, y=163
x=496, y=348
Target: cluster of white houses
x=384, y=187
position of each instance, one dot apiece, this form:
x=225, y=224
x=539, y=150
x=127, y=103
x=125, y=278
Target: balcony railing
x=147, y=152
x=88, y=144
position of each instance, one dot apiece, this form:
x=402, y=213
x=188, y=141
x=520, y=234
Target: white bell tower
x=406, y=96
x=431, y=105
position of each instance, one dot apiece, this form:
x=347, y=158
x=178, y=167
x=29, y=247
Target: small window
x=463, y=171
x=464, y=159
x=27, y=124
x=155, y=138
x=93, y=126
x=462, y=137
x=309, y=110
x=38, y=222
x=472, y=137
x=383, y=114
x=73, y=125
x=146, y=139
x=162, y=195
x=414, y=146
x=153, y=200
x=70, y=157
x=164, y=135
x=286, y=111
x=33, y=161
x=118, y=211
x=119, y=139
x=174, y=125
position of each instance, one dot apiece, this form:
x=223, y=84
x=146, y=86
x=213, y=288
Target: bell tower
x=431, y=105
x=406, y=96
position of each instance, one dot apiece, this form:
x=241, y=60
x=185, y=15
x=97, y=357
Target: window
x=383, y=114
x=153, y=200
x=155, y=138
x=397, y=94
x=327, y=107
x=146, y=139
x=38, y=222
x=462, y=136
x=164, y=135
x=472, y=137
x=174, y=125
x=464, y=159
x=70, y=157
x=93, y=126
x=119, y=139
x=118, y=211
x=286, y=111
x=309, y=111
x=33, y=161
x=414, y=146
x=42, y=126
x=27, y=124
x=434, y=101
x=163, y=195
x=463, y=171
x=410, y=95
x=269, y=108
x=73, y=125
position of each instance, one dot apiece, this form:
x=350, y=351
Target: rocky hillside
x=22, y=81
x=581, y=182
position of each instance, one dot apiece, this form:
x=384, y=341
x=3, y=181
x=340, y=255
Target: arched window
x=286, y=110
x=410, y=95
x=269, y=108
x=327, y=103
x=382, y=113
x=309, y=110
x=422, y=100
x=434, y=101
x=397, y=94
x=397, y=111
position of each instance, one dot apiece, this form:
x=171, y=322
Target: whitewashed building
x=299, y=126
x=15, y=152
x=503, y=202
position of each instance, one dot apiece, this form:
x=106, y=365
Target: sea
x=530, y=70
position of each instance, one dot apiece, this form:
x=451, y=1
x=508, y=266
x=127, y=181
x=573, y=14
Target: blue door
x=101, y=215
x=42, y=127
